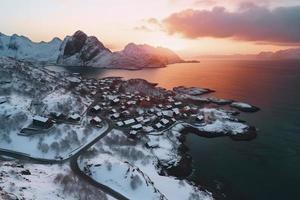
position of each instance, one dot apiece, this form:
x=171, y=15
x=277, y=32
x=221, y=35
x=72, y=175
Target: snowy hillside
x=48, y=182
x=122, y=177
x=142, y=56
x=22, y=48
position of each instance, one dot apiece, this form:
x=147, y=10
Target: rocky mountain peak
x=80, y=48
x=75, y=43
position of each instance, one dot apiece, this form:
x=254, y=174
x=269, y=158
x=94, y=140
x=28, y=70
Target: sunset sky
x=190, y=27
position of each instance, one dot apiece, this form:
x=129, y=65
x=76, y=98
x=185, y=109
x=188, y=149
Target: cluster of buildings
x=137, y=113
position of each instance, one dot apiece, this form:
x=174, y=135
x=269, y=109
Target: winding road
x=73, y=162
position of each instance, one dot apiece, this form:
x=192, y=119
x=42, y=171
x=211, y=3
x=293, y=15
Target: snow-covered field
x=47, y=182
x=117, y=146
x=122, y=177
x=59, y=142
x=21, y=101
x=62, y=101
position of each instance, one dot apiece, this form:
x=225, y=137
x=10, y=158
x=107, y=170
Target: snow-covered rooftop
x=40, y=119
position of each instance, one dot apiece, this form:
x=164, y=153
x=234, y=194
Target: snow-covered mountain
x=83, y=50
x=293, y=53
x=139, y=56
x=22, y=48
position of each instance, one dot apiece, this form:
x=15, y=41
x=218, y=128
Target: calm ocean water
x=265, y=168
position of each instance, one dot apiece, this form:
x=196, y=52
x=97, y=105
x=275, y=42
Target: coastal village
x=150, y=110
x=149, y=100
x=112, y=126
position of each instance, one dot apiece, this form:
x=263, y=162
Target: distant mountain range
x=21, y=47
x=82, y=50
x=293, y=53
x=287, y=54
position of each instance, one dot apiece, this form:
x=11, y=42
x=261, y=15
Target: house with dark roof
x=74, y=117
x=42, y=122
x=96, y=121
x=95, y=109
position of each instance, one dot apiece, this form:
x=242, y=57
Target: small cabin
x=148, y=129
x=120, y=124
x=139, y=119
x=178, y=103
x=116, y=116
x=42, y=122
x=96, y=108
x=129, y=121
x=116, y=100
x=137, y=126
x=146, y=120
x=199, y=118
x=58, y=115
x=167, y=113
x=96, y=121
x=133, y=134
x=158, y=125
x=176, y=111
x=187, y=108
x=164, y=121
x=74, y=117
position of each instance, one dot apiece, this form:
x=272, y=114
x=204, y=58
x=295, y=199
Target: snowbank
x=48, y=182
x=122, y=177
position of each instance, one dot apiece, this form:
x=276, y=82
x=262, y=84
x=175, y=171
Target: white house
x=139, y=119
x=116, y=115
x=75, y=117
x=129, y=121
x=137, y=126
x=120, y=124
x=178, y=103
x=116, y=100
x=148, y=129
x=200, y=118
x=146, y=120
x=176, y=111
x=159, y=114
x=167, y=113
x=96, y=120
x=158, y=125
x=133, y=133
x=164, y=121
x=96, y=108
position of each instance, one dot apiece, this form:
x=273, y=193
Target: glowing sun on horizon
x=161, y=40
